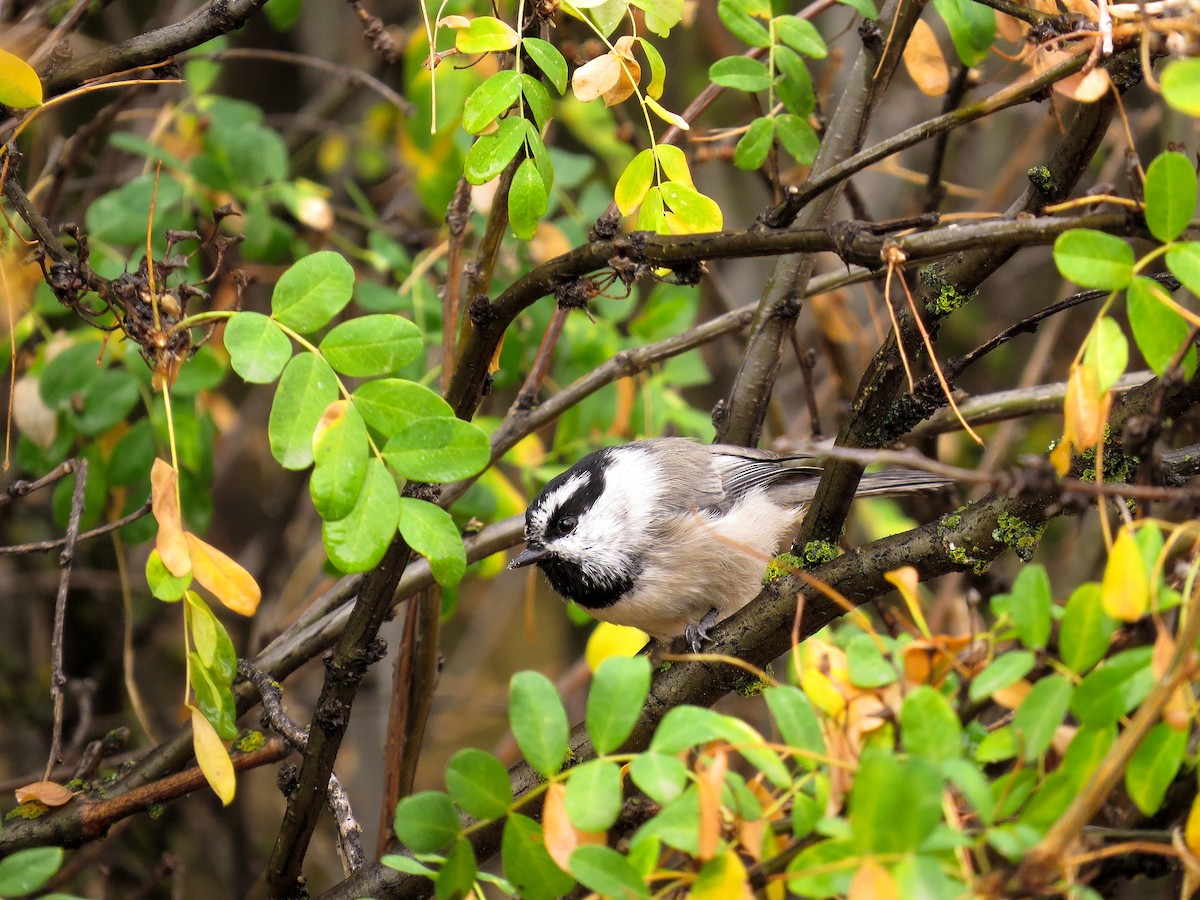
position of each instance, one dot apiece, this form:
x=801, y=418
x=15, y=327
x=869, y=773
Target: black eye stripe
x=582, y=498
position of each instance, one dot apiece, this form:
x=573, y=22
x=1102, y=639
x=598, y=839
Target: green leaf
x=456, y=878
x=607, y=872
x=1086, y=629
x=895, y=804
x=1050, y=801
x=970, y=781
x=163, y=584
x=485, y=34
x=972, y=28
x=658, y=69
x=823, y=869
x=1170, y=192
x=1158, y=329
x=120, y=216
x=797, y=722
x=1107, y=352
x=537, y=100
x=430, y=531
x=1029, y=606
x=673, y=162
x=541, y=156
x=341, y=449
x=357, y=541
x=1184, y=262
x=438, y=450
x=661, y=15
x=929, y=726
x=997, y=746
x=26, y=871
x=1040, y=713
x=547, y=58
x=797, y=137
x=1114, y=687
x=867, y=666
x=1181, y=85
x=615, y=699
x=538, y=720
x=593, y=798
x=693, y=210
x=491, y=153
x=794, y=84
x=1004, y=670
x=527, y=865
x=258, y=349
x=659, y=776
x=490, y=100
x=635, y=182
x=865, y=8
x=306, y=389
x=1154, y=766
x=390, y=404
x=407, y=864
x=740, y=16
x=213, y=699
x=1013, y=841
x=686, y=726
x=754, y=146
x=105, y=401
x=478, y=783
x=372, y=345
x=1093, y=259
x=426, y=822
x=211, y=640
x=677, y=823
x=527, y=200
x=740, y=73
x=312, y=291
x=652, y=216
x=801, y=35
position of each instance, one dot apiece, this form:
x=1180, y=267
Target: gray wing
x=743, y=470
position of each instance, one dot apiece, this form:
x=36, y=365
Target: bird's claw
x=698, y=633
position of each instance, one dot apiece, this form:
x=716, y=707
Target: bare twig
x=42, y=546
x=58, y=676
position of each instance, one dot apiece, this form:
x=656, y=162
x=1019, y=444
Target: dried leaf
x=48, y=793
x=906, y=579
x=213, y=758
x=223, y=578
x=1083, y=408
x=1094, y=85
x=1012, y=696
x=33, y=417
x=710, y=781
x=924, y=61
x=557, y=830
x=595, y=78
x=164, y=500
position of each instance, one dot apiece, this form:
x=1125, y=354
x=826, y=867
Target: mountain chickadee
x=672, y=536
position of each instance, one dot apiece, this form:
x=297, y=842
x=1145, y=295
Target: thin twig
x=42, y=546
x=58, y=677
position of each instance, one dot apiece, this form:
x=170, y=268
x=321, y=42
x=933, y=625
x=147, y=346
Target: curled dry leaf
x=164, y=501
x=223, y=578
x=48, y=793
x=34, y=418
x=710, y=781
x=613, y=76
x=924, y=61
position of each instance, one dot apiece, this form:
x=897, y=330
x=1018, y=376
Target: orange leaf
x=164, y=501
x=710, y=781
x=906, y=579
x=1012, y=696
x=924, y=61
x=48, y=793
x=872, y=882
x=224, y=578
x=1125, y=590
x=1083, y=408
x=213, y=758
x=557, y=830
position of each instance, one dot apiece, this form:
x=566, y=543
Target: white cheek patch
x=614, y=532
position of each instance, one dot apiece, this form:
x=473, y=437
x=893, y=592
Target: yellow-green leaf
x=20, y=86
x=1125, y=590
x=213, y=758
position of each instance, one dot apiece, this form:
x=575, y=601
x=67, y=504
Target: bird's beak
x=528, y=556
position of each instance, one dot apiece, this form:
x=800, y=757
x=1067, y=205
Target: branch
x=215, y=18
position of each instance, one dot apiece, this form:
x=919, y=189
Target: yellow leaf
x=1083, y=408
x=906, y=579
x=164, y=501
x=213, y=758
x=710, y=781
x=48, y=793
x=608, y=640
x=823, y=693
x=1060, y=457
x=20, y=86
x=872, y=882
x=1125, y=590
x=924, y=61
x=224, y=578
x=671, y=118
x=721, y=878
x=1191, y=833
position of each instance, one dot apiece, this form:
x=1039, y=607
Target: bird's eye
x=567, y=524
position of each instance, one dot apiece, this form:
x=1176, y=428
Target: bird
x=672, y=536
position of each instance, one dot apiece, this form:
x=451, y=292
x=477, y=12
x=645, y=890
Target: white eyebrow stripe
x=540, y=516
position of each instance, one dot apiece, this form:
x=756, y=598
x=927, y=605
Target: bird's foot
x=696, y=634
